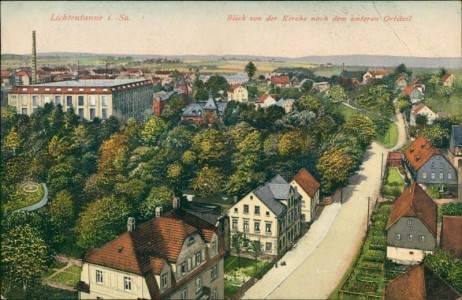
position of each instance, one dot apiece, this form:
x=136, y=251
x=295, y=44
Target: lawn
x=27, y=193
x=54, y=267
x=68, y=277
x=394, y=184
x=389, y=139
x=453, y=105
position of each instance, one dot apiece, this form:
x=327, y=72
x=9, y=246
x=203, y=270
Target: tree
x=335, y=167
x=106, y=215
x=421, y=120
x=337, y=93
x=152, y=130
x=210, y=146
x=256, y=249
x=215, y=84
x=249, y=151
x=243, y=180
x=208, y=181
x=436, y=135
x=250, y=69
x=294, y=143
x=62, y=210
x=447, y=267
x=451, y=209
x=158, y=197
x=13, y=140
x=309, y=102
x=25, y=255
x=362, y=128
x=237, y=243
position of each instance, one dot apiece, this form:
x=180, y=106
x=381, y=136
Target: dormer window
x=191, y=240
x=164, y=282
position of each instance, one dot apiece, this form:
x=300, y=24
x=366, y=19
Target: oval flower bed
x=27, y=193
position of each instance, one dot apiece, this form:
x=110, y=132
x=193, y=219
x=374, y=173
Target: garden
x=27, y=194
x=394, y=184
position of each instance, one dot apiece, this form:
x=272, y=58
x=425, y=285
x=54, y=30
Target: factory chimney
x=34, y=60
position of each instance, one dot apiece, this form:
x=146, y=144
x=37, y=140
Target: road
x=316, y=266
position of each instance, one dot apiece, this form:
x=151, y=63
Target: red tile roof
x=6, y=74
x=408, y=90
x=420, y=282
x=283, y=79
x=163, y=72
x=418, y=107
x=395, y=155
x=414, y=202
x=445, y=77
x=451, y=235
x=419, y=152
x=399, y=79
x=307, y=182
x=22, y=73
x=264, y=96
x=232, y=88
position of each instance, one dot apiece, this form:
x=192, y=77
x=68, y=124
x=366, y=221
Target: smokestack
x=130, y=224
x=34, y=59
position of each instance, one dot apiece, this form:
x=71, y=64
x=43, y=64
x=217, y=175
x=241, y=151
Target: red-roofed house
x=400, y=82
x=238, y=93
x=266, y=100
x=427, y=165
x=280, y=81
x=174, y=256
x=374, y=75
x=395, y=159
x=415, y=93
x=22, y=78
x=422, y=109
x=451, y=235
x=411, y=228
x=447, y=80
x=309, y=188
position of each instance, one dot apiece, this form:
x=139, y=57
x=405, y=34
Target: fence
x=244, y=288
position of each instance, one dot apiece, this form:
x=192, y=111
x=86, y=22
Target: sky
x=426, y=29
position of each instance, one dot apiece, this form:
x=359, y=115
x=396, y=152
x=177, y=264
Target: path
x=39, y=204
x=324, y=254
x=402, y=134
x=70, y=262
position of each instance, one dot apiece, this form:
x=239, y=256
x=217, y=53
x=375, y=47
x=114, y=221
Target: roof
x=456, y=133
x=399, y=79
x=283, y=79
x=451, y=235
x=420, y=282
x=210, y=104
x=408, y=90
x=395, y=155
x=417, y=108
x=419, y=152
x=445, y=77
x=265, y=96
x=376, y=73
x=307, y=182
x=196, y=109
x=22, y=73
x=414, y=202
x=232, y=88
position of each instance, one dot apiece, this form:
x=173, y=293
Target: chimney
x=34, y=59
x=159, y=211
x=176, y=203
x=130, y=224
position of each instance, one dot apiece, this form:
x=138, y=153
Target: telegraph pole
x=368, y=207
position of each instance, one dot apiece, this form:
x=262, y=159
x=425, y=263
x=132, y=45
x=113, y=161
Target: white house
x=309, y=188
x=422, y=109
x=238, y=93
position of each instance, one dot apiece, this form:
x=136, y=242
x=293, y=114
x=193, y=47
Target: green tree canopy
x=161, y=196
x=335, y=167
x=152, y=130
x=208, y=181
x=362, y=128
x=250, y=69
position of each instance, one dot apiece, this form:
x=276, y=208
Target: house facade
x=175, y=256
x=309, y=188
x=209, y=111
x=281, y=81
x=447, y=79
x=238, y=93
x=374, y=75
x=411, y=228
x=270, y=214
x=422, y=109
x=427, y=165
x=401, y=83
x=415, y=93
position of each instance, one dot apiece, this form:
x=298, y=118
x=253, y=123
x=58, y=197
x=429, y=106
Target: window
x=104, y=101
x=303, y=203
x=267, y=214
x=99, y=276
x=398, y=236
x=213, y=247
x=251, y=197
x=268, y=247
x=191, y=240
x=449, y=176
x=424, y=175
x=81, y=113
x=24, y=111
x=257, y=210
x=81, y=100
x=409, y=237
x=92, y=100
x=34, y=100
x=409, y=223
x=432, y=175
x=164, y=281
x=268, y=228
x=57, y=100
x=236, y=210
x=127, y=284
x=198, y=257
x=198, y=284
x=246, y=209
x=235, y=224
x=104, y=113
x=69, y=100
x=214, y=272
x=441, y=176
x=183, y=268
x=422, y=238
x=257, y=227
x=184, y=293
x=214, y=294
x=92, y=114
x=246, y=225
x=437, y=157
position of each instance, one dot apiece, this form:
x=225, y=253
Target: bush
x=375, y=255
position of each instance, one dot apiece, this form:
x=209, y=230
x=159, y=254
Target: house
x=447, y=80
x=395, y=159
x=294, y=81
x=411, y=228
x=237, y=79
x=321, y=86
x=269, y=214
x=427, y=165
x=415, y=93
x=238, y=93
x=201, y=112
x=370, y=76
x=161, y=98
x=309, y=188
x=419, y=283
x=266, y=100
x=401, y=83
x=287, y=104
x=173, y=256
x=455, y=145
x=451, y=235
x=350, y=79
x=423, y=110
x=22, y=78
x=280, y=81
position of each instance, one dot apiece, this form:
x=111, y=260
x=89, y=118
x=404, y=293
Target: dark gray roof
x=457, y=135
x=195, y=109
x=210, y=104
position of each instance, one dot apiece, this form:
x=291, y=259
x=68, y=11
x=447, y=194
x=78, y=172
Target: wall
x=437, y=164
x=406, y=256
x=417, y=229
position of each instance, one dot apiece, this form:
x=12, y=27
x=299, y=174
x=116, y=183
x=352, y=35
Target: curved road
x=316, y=266
x=39, y=204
